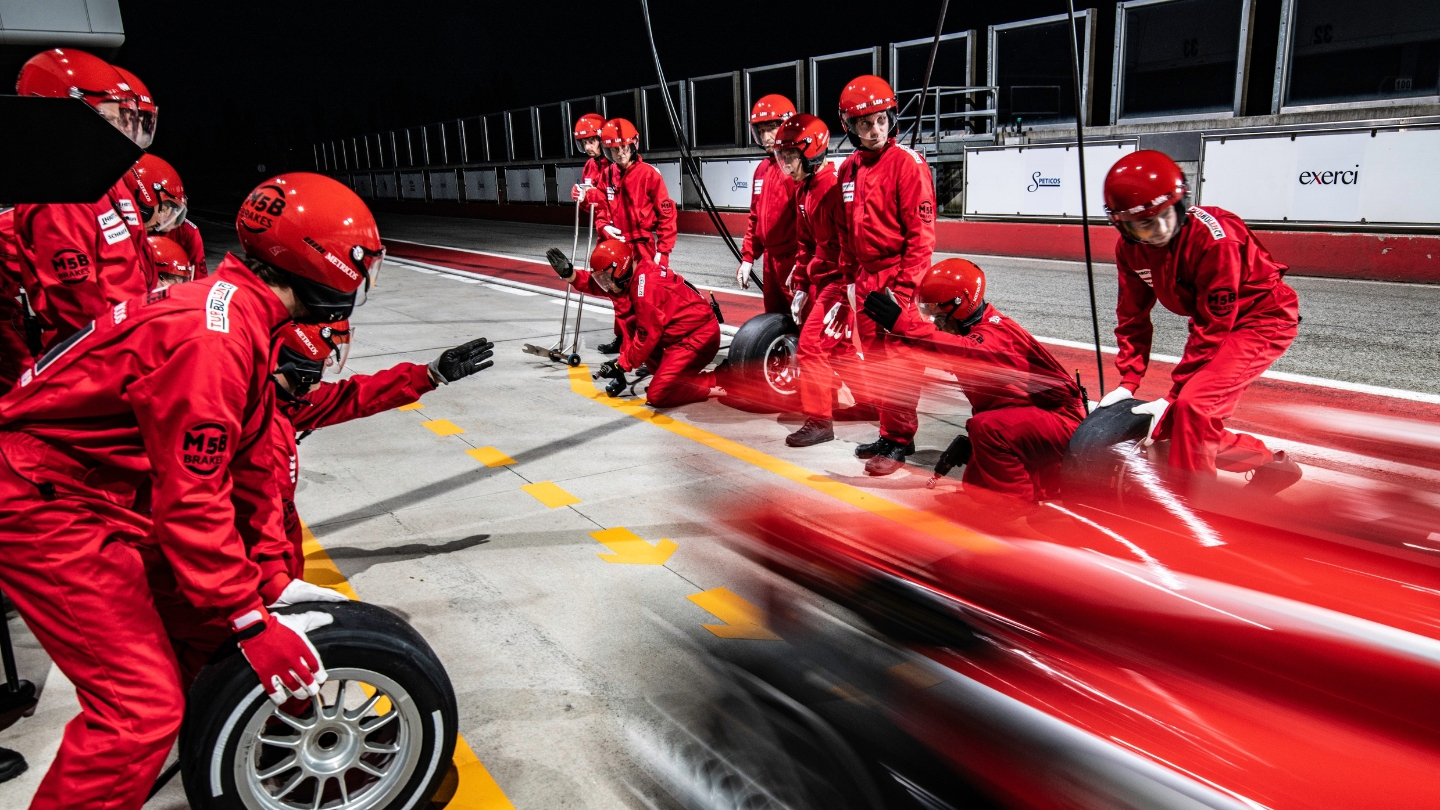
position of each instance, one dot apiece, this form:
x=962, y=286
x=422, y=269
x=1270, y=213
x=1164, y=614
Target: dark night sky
x=239, y=84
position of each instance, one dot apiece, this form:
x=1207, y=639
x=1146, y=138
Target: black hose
x=925, y=88
x=687, y=160
x=1085, y=203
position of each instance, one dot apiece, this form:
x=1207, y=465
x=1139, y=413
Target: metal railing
x=932, y=112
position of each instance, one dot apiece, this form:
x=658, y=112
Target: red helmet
x=68, y=73
x=865, y=95
x=148, y=110
x=154, y=184
x=613, y=258
x=619, y=132
x=171, y=261
x=773, y=107
x=589, y=126
x=318, y=233
x=806, y=134
x=954, y=287
x=1141, y=185
x=308, y=350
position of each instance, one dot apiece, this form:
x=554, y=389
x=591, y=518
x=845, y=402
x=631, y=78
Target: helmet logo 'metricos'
x=261, y=209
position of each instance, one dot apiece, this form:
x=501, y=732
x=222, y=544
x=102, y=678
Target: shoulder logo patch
x=204, y=448
x=1210, y=222
x=1144, y=275
x=640, y=287
x=217, y=307
x=848, y=187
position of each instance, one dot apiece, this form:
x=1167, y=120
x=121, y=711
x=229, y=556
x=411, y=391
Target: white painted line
x=462, y=280
x=731, y=290
x=425, y=271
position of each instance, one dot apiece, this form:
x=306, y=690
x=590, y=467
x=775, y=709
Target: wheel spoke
x=372, y=748
x=278, y=768
x=368, y=768
x=293, y=721
x=280, y=742
x=380, y=721
x=291, y=785
x=344, y=791
x=319, y=793
x=367, y=707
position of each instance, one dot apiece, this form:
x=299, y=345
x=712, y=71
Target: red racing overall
x=187, y=236
x=172, y=391
x=594, y=175
x=14, y=352
x=331, y=404
x=676, y=335
x=820, y=227
x=771, y=230
x=1243, y=316
x=77, y=261
x=889, y=202
x=638, y=204
x=1024, y=407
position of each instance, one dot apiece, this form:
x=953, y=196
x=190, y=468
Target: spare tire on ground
x=1095, y=465
x=764, y=364
x=380, y=736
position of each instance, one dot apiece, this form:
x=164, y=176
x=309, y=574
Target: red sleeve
x=360, y=396
x=1134, y=332
x=753, y=246
x=260, y=506
x=849, y=265
x=649, y=317
x=804, y=241
x=1217, y=283
x=830, y=213
x=916, y=198
x=195, y=248
x=191, y=412
x=604, y=215
x=64, y=284
x=666, y=222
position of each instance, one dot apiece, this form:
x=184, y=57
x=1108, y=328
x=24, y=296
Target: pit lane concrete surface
x=560, y=550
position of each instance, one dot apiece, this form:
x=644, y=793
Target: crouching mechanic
x=1024, y=406
x=307, y=402
x=675, y=331
x=170, y=391
x=1206, y=265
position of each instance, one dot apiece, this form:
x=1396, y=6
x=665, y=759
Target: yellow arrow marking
x=916, y=519
x=414, y=406
x=741, y=619
x=443, y=427
x=490, y=457
x=631, y=549
x=475, y=788
x=548, y=493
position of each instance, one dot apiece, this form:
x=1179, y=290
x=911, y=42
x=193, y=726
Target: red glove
x=280, y=652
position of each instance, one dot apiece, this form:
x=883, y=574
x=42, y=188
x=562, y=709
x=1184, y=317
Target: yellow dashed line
x=915, y=519
x=444, y=427
x=490, y=457
x=414, y=406
x=741, y=619
x=548, y=493
x=475, y=788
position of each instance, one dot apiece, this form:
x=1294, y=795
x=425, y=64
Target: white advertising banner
x=481, y=186
x=671, y=173
x=364, y=186
x=385, y=186
x=443, y=185
x=728, y=182
x=1038, y=181
x=1366, y=176
x=412, y=185
x=525, y=185
x=567, y=178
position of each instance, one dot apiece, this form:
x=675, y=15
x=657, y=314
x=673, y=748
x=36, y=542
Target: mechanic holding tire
x=168, y=397
x=770, y=228
x=1024, y=407
x=1204, y=264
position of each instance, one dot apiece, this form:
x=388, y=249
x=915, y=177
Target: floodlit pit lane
x=558, y=548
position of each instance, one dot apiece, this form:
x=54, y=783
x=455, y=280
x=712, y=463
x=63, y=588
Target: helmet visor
x=147, y=127
x=338, y=337
x=124, y=115
x=370, y=263
x=936, y=311
x=605, y=280
x=1156, y=231
x=167, y=216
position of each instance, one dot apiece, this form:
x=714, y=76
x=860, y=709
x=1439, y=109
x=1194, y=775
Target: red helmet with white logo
x=1141, y=185
x=157, y=189
x=865, y=95
x=308, y=350
x=588, y=126
x=149, y=112
x=954, y=287
x=619, y=132
x=613, y=260
x=68, y=73
x=773, y=107
x=806, y=134
x=171, y=260
x=320, y=235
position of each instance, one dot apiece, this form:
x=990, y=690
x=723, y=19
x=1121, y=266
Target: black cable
x=925, y=88
x=1085, y=203
x=692, y=166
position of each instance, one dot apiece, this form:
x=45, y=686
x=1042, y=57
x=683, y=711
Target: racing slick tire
x=1097, y=463
x=380, y=736
x=765, y=365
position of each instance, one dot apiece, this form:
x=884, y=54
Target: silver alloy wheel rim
x=342, y=755
x=782, y=365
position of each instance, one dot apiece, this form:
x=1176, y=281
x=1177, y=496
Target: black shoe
x=613, y=347
x=12, y=764
x=879, y=446
x=814, y=431
x=1276, y=476
x=889, y=459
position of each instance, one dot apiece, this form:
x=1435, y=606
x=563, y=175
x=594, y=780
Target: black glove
x=882, y=309
x=563, y=268
x=612, y=370
x=462, y=361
